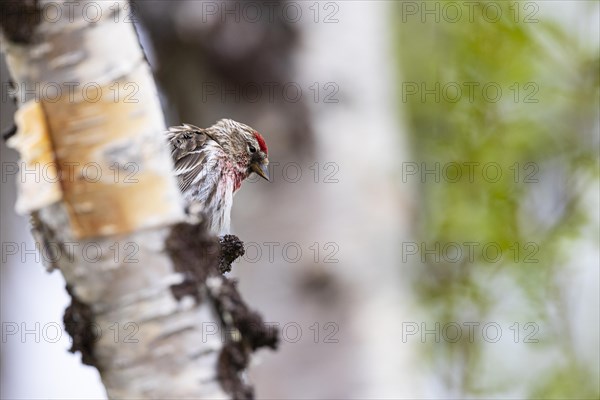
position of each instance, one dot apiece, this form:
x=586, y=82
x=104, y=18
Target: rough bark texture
x=150, y=307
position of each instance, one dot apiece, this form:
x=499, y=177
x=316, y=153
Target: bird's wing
x=188, y=144
x=185, y=138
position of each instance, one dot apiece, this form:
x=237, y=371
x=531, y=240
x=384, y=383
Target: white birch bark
x=70, y=48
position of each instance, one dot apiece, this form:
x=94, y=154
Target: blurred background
x=432, y=226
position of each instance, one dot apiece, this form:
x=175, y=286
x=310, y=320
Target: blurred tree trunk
x=150, y=307
x=210, y=61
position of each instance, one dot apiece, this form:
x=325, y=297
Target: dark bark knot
x=79, y=323
x=199, y=256
x=232, y=248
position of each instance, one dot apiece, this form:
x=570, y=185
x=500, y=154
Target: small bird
x=211, y=163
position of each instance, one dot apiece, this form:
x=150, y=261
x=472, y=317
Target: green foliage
x=540, y=132
x=571, y=381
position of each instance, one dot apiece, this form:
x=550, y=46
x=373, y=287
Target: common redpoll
x=211, y=163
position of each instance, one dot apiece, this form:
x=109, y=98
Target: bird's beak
x=261, y=168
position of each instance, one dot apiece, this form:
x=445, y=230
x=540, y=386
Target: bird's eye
x=251, y=149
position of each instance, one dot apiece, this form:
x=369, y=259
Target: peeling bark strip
x=34, y=145
x=104, y=127
x=140, y=305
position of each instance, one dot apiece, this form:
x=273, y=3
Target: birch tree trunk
x=151, y=309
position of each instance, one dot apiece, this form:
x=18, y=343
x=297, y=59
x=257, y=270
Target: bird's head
x=246, y=146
